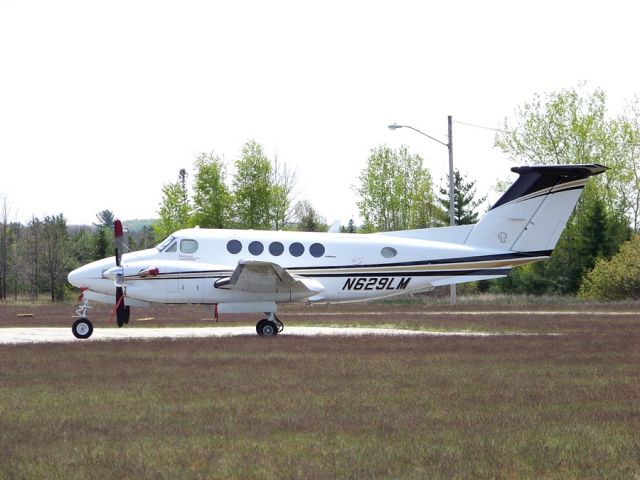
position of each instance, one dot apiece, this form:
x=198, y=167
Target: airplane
x=252, y=271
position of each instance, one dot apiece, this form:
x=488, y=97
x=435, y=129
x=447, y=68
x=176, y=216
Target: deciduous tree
x=252, y=188
x=395, y=191
x=211, y=196
x=617, y=278
x=175, y=209
x=56, y=254
x=283, y=182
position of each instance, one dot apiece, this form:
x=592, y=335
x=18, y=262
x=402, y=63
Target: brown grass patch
x=295, y=407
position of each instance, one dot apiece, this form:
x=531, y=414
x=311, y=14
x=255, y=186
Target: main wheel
x=266, y=328
x=82, y=328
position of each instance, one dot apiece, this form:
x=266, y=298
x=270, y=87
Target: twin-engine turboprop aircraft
x=251, y=271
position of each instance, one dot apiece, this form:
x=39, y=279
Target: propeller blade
x=122, y=310
x=119, y=234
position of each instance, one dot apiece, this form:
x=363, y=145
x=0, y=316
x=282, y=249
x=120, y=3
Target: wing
x=267, y=277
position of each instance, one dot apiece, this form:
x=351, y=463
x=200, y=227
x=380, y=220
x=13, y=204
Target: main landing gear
x=82, y=328
x=270, y=326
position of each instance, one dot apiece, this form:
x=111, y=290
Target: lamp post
x=449, y=145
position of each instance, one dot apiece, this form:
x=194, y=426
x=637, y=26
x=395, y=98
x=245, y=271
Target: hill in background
x=136, y=224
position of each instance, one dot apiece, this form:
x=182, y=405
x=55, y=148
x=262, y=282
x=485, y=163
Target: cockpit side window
x=165, y=243
x=188, y=246
x=172, y=248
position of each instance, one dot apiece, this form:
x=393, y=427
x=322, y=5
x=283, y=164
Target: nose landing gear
x=82, y=328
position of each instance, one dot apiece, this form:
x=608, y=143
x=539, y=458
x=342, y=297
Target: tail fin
x=532, y=214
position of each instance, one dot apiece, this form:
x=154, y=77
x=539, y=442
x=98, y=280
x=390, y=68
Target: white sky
x=101, y=103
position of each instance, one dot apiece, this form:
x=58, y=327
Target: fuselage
x=348, y=267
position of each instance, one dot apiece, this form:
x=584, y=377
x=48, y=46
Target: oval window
x=316, y=250
x=256, y=248
x=188, y=246
x=296, y=249
x=388, y=252
x=234, y=246
x=276, y=249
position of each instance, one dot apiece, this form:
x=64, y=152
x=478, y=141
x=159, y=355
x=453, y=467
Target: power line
x=486, y=128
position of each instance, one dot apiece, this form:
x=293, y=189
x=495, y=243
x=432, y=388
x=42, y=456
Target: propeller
x=122, y=310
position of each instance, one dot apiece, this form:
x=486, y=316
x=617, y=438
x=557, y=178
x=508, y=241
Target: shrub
x=615, y=279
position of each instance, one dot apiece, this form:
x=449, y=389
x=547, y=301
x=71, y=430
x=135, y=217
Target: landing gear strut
x=82, y=328
x=270, y=326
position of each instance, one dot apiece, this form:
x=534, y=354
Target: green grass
x=292, y=407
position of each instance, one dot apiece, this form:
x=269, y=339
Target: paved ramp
x=63, y=335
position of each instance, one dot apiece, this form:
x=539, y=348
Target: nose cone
x=75, y=278
x=81, y=277
x=90, y=275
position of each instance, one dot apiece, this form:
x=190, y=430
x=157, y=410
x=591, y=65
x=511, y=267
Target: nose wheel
x=82, y=328
x=270, y=326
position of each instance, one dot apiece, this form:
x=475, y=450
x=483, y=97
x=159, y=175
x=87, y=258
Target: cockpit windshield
x=165, y=243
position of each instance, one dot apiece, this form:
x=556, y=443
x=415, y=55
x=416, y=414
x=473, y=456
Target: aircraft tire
x=266, y=328
x=82, y=328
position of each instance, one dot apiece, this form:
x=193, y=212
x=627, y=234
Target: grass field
x=561, y=406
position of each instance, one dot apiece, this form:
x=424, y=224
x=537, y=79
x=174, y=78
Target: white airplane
x=252, y=271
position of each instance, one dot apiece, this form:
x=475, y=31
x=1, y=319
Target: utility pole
x=452, y=213
x=449, y=145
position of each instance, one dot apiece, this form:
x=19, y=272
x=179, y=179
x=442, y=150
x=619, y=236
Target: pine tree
x=465, y=204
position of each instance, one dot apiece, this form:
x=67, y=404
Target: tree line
x=36, y=257
x=261, y=196
x=572, y=126
x=395, y=192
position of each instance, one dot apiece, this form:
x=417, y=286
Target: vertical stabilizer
x=532, y=214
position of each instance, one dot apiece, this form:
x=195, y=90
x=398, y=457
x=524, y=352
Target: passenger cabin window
x=296, y=249
x=276, y=249
x=256, y=248
x=188, y=246
x=234, y=246
x=388, y=252
x=316, y=250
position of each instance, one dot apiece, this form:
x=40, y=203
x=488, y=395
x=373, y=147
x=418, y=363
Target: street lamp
x=449, y=145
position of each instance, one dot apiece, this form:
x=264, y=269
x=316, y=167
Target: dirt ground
x=538, y=318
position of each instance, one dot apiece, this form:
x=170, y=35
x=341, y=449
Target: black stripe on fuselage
x=199, y=274
x=434, y=273
x=443, y=261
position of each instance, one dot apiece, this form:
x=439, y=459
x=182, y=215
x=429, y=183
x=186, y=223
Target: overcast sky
x=101, y=103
